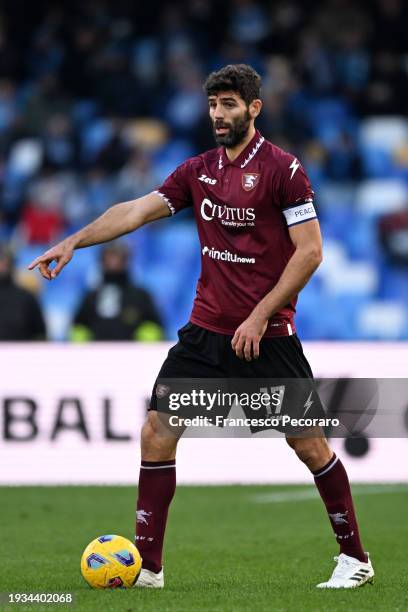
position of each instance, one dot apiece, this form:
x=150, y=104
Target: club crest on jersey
x=249, y=181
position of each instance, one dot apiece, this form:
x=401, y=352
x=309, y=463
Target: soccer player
x=260, y=243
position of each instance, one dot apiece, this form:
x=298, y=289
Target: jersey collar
x=246, y=154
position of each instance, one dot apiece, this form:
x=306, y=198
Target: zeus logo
x=210, y=211
x=205, y=179
x=293, y=166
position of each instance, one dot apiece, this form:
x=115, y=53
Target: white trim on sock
x=327, y=469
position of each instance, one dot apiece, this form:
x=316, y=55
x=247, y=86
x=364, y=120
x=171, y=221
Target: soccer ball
x=111, y=562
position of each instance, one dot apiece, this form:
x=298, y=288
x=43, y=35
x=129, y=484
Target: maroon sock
x=334, y=489
x=157, y=484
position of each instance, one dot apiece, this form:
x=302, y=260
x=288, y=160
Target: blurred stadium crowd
x=100, y=100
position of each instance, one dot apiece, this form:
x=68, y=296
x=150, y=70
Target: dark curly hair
x=240, y=78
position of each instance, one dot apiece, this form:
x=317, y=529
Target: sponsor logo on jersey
x=249, y=181
x=206, y=179
x=227, y=215
x=226, y=256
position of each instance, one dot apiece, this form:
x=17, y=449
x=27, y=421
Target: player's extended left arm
x=306, y=258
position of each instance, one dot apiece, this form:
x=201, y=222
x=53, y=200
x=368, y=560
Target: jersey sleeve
x=296, y=193
x=176, y=189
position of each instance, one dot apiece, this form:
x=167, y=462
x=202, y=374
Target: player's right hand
x=61, y=253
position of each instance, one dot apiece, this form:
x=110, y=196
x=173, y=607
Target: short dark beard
x=237, y=132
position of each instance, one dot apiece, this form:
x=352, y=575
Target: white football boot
x=150, y=579
x=349, y=573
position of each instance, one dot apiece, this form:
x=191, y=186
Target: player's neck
x=233, y=152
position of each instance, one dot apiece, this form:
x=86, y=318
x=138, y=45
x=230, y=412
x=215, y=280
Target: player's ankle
x=151, y=567
x=356, y=554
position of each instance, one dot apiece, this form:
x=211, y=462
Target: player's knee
x=313, y=452
x=151, y=432
x=147, y=435
x=156, y=442
x=309, y=455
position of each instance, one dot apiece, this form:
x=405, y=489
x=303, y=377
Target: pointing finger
x=35, y=262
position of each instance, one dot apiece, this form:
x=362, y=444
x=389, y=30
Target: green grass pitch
x=227, y=549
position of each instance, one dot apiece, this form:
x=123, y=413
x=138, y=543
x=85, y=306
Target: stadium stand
x=100, y=101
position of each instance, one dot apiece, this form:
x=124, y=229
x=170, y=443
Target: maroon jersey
x=243, y=209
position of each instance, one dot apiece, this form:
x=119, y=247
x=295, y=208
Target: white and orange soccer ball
x=111, y=562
